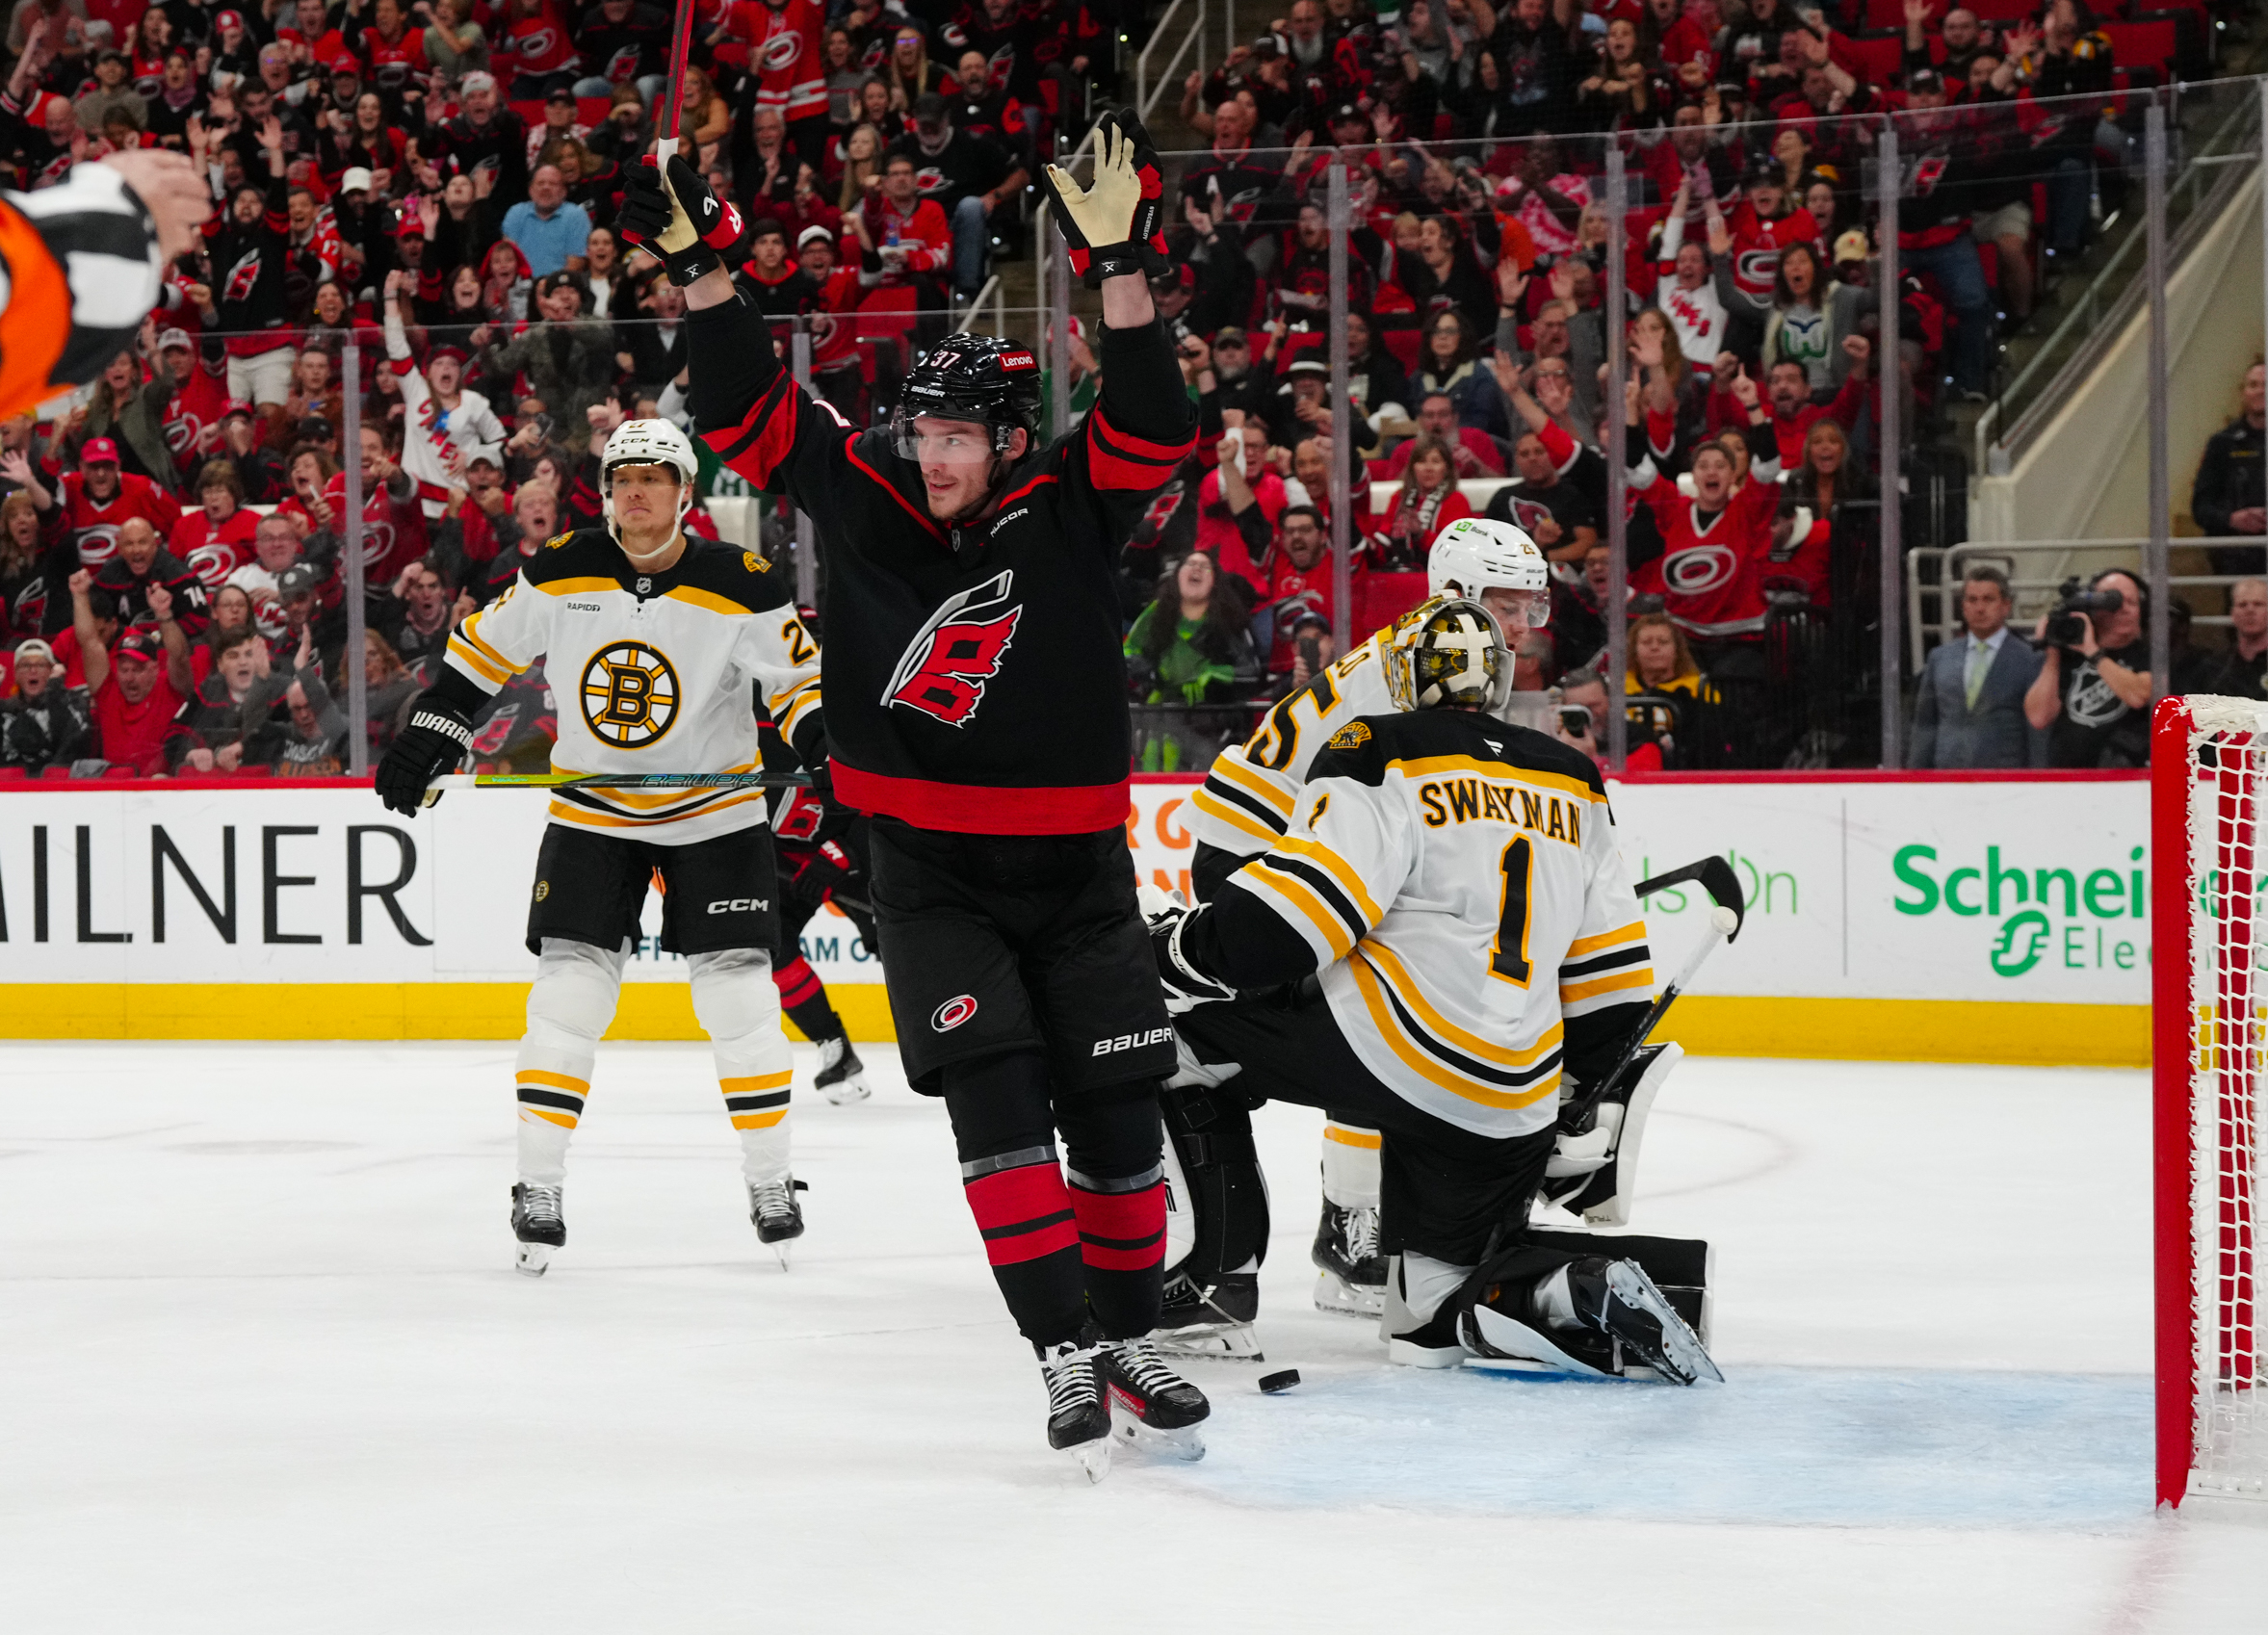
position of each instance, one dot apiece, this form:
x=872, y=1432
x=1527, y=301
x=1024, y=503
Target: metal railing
x=1146, y=95
x=2035, y=569
x=2209, y=181
x=993, y=297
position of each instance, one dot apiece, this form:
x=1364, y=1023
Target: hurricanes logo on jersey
x=630, y=694
x=943, y=670
x=1701, y=569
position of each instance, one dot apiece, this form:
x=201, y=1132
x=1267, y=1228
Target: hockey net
x=2209, y=931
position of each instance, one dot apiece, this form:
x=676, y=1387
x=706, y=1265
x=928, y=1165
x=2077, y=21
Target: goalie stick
x=1715, y=876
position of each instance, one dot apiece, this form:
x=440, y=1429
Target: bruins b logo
x=630, y=694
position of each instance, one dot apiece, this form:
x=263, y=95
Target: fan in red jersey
x=99, y=497
x=1708, y=574
x=216, y=539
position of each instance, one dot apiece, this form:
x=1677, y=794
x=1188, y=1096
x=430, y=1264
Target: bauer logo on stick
x=630, y=694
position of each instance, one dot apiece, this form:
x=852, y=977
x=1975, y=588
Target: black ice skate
x=841, y=1076
x=1212, y=1321
x=1597, y=1317
x=1078, y=1420
x=1151, y=1406
x=538, y=1225
x=778, y=1217
x=1353, y=1272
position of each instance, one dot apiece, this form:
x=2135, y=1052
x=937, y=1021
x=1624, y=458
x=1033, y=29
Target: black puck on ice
x=1281, y=1380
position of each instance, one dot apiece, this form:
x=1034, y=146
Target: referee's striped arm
x=79, y=271
x=1612, y=968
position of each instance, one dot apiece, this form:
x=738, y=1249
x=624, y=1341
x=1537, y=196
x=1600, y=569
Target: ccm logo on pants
x=739, y=905
x=1131, y=1042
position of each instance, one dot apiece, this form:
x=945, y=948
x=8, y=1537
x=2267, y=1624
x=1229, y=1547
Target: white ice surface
x=264, y=1367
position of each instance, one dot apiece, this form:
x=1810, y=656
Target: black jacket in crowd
x=2232, y=476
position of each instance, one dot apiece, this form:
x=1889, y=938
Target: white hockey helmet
x=648, y=442
x=1475, y=555
x=1447, y=653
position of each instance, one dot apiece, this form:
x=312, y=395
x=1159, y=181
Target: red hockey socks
x=1122, y=1241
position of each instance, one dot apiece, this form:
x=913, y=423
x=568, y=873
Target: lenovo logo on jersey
x=944, y=669
x=739, y=905
x=952, y=1013
x=1131, y=1042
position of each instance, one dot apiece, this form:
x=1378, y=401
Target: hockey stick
x=1715, y=876
x=620, y=781
x=680, y=47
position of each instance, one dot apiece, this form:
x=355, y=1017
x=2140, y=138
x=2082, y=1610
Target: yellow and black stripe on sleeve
x=1610, y=969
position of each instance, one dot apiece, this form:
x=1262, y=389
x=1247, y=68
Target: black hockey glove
x=1185, y=986
x=1116, y=225
x=433, y=743
x=690, y=234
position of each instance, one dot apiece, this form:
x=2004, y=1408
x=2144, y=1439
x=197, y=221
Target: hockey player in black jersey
x=1442, y=931
x=822, y=850
x=980, y=721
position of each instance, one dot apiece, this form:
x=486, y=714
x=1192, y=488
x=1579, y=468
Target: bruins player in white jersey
x=1449, y=907
x=1243, y=809
x=655, y=641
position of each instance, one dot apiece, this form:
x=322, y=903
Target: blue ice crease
x=1774, y=1446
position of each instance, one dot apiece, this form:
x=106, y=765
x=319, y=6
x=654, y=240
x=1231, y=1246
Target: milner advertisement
x=1921, y=918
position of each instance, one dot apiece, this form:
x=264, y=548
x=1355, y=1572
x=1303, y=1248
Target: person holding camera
x=2092, y=694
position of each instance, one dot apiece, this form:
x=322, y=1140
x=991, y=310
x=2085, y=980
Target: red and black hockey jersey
x=973, y=673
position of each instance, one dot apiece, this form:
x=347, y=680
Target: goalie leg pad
x=1222, y=1196
x=1597, y=1178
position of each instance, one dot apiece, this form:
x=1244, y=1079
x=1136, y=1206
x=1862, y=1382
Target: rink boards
x=1984, y=919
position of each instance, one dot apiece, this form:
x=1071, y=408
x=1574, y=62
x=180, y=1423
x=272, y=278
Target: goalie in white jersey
x=1243, y=809
x=1448, y=906
x=657, y=643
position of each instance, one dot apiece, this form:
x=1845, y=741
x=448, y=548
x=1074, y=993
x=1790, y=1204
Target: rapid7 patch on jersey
x=945, y=667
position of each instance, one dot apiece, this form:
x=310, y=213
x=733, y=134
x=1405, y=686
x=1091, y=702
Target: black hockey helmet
x=979, y=377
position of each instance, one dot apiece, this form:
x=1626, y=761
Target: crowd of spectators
x=1479, y=333
x=436, y=184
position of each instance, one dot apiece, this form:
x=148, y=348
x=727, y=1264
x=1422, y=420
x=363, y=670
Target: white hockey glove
x=1185, y=986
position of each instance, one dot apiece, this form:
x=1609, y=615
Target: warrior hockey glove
x=433, y=743
x=1117, y=225
x=671, y=215
x=1185, y=986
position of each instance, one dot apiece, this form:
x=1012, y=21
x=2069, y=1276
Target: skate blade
x=533, y=1260
x=1220, y=1342
x=1093, y=1458
x=1685, y=1358
x=1186, y=1443
x=848, y=1093
x=1342, y=1299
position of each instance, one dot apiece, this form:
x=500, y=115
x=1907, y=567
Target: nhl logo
x=644, y=584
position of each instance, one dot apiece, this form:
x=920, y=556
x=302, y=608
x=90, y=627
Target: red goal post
x=2209, y=1049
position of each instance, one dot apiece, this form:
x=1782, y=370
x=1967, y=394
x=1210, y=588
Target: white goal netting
x=2210, y=1118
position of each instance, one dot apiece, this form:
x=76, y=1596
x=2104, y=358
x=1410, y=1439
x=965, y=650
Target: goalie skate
x=1152, y=1407
x=1210, y=1322
x=540, y=1226
x=1351, y=1273
x=1597, y=1318
x=841, y=1077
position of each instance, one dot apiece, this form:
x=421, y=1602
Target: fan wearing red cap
x=99, y=497
x=140, y=683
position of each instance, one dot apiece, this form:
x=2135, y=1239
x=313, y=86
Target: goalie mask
x=1474, y=556
x=647, y=442
x=1449, y=654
